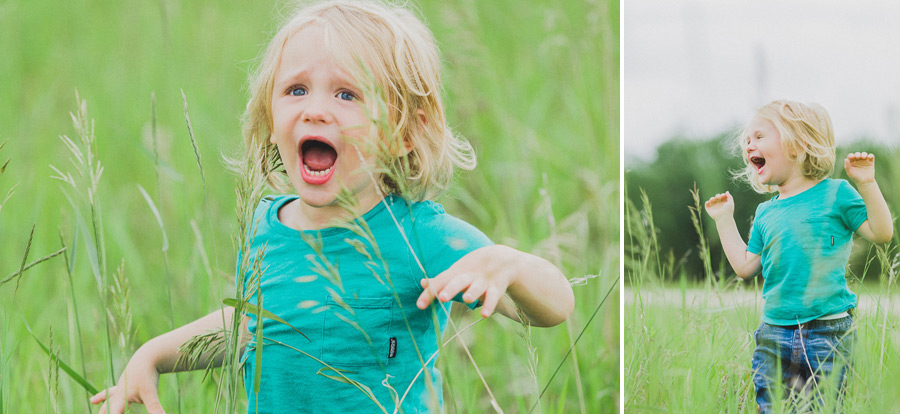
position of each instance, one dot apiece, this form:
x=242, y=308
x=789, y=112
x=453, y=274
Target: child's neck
x=300, y=216
x=796, y=185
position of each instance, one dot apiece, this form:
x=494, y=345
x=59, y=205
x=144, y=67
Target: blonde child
x=800, y=241
x=356, y=258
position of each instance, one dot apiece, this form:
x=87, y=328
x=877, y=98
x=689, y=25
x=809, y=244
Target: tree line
x=682, y=163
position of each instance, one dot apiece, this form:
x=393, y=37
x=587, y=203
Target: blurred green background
x=533, y=86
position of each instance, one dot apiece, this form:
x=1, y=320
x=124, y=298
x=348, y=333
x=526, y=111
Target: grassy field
x=688, y=346
x=533, y=86
x=706, y=344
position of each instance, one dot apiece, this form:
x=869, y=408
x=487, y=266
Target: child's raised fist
x=860, y=167
x=720, y=206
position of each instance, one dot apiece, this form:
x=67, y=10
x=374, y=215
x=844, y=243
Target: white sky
x=699, y=67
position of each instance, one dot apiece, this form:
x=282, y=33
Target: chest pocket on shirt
x=821, y=236
x=358, y=333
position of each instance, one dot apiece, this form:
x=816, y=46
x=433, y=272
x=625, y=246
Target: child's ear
x=272, y=138
x=421, y=113
x=407, y=143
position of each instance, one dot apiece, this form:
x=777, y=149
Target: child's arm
x=721, y=208
x=879, y=228
x=138, y=382
x=536, y=286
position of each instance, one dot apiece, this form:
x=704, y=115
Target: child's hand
x=860, y=167
x=518, y=285
x=484, y=276
x=138, y=384
x=720, y=206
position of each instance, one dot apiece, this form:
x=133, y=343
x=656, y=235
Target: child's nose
x=317, y=112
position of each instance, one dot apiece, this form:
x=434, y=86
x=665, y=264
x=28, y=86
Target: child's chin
x=317, y=204
x=314, y=195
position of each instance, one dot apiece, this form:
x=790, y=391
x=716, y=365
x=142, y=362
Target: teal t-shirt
x=804, y=244
x=352, y=290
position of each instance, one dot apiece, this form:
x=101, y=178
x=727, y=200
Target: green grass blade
x=33, y=264
x=251, y=308
x=155, y=211
x=74, y=375
x=341, y=378
x=24, y=259
x=3, y=167
x=615, y=284
x=257, y=370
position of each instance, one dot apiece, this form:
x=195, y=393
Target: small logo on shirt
x=393, y=351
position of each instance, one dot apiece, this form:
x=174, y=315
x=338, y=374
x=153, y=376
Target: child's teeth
x=317, y=173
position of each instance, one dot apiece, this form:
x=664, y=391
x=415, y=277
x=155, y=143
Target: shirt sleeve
x=851, y=206
x=755, y=243
x=443, y=239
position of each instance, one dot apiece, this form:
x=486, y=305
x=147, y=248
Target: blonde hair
x=388, y=47
x=807, y=137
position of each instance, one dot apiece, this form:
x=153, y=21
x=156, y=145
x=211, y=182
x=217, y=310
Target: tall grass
x=532, y=101
x=688, y=347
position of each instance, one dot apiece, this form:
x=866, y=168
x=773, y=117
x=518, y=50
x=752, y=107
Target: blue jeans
x=800, y=357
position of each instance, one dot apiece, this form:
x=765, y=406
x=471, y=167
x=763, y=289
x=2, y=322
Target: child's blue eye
x=297, y=91
x=345, y=95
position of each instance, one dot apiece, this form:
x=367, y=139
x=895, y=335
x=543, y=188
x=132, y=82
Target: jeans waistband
x=816, y=323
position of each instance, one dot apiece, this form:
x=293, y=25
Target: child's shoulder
x=837, y=189
x=271, y=201
x=442, y=238
x=836, y=183
x=432, y=214
x=430, y=218
x=427, y=209
x=267, y=206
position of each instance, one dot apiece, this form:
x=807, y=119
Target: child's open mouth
x=318, y=159
x=759, y=163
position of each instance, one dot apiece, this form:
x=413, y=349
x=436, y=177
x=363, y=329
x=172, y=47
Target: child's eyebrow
x=282, y=79
x=292, y=78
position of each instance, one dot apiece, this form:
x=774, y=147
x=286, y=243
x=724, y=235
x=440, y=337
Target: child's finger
x=491, y=297
x=151, y=403
x=112, y=407
x=425, y=298
x=475, y=291
x=721, y=197
x=859, y=156
x=454, y=286
x=436, y=284
x=101, y=396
